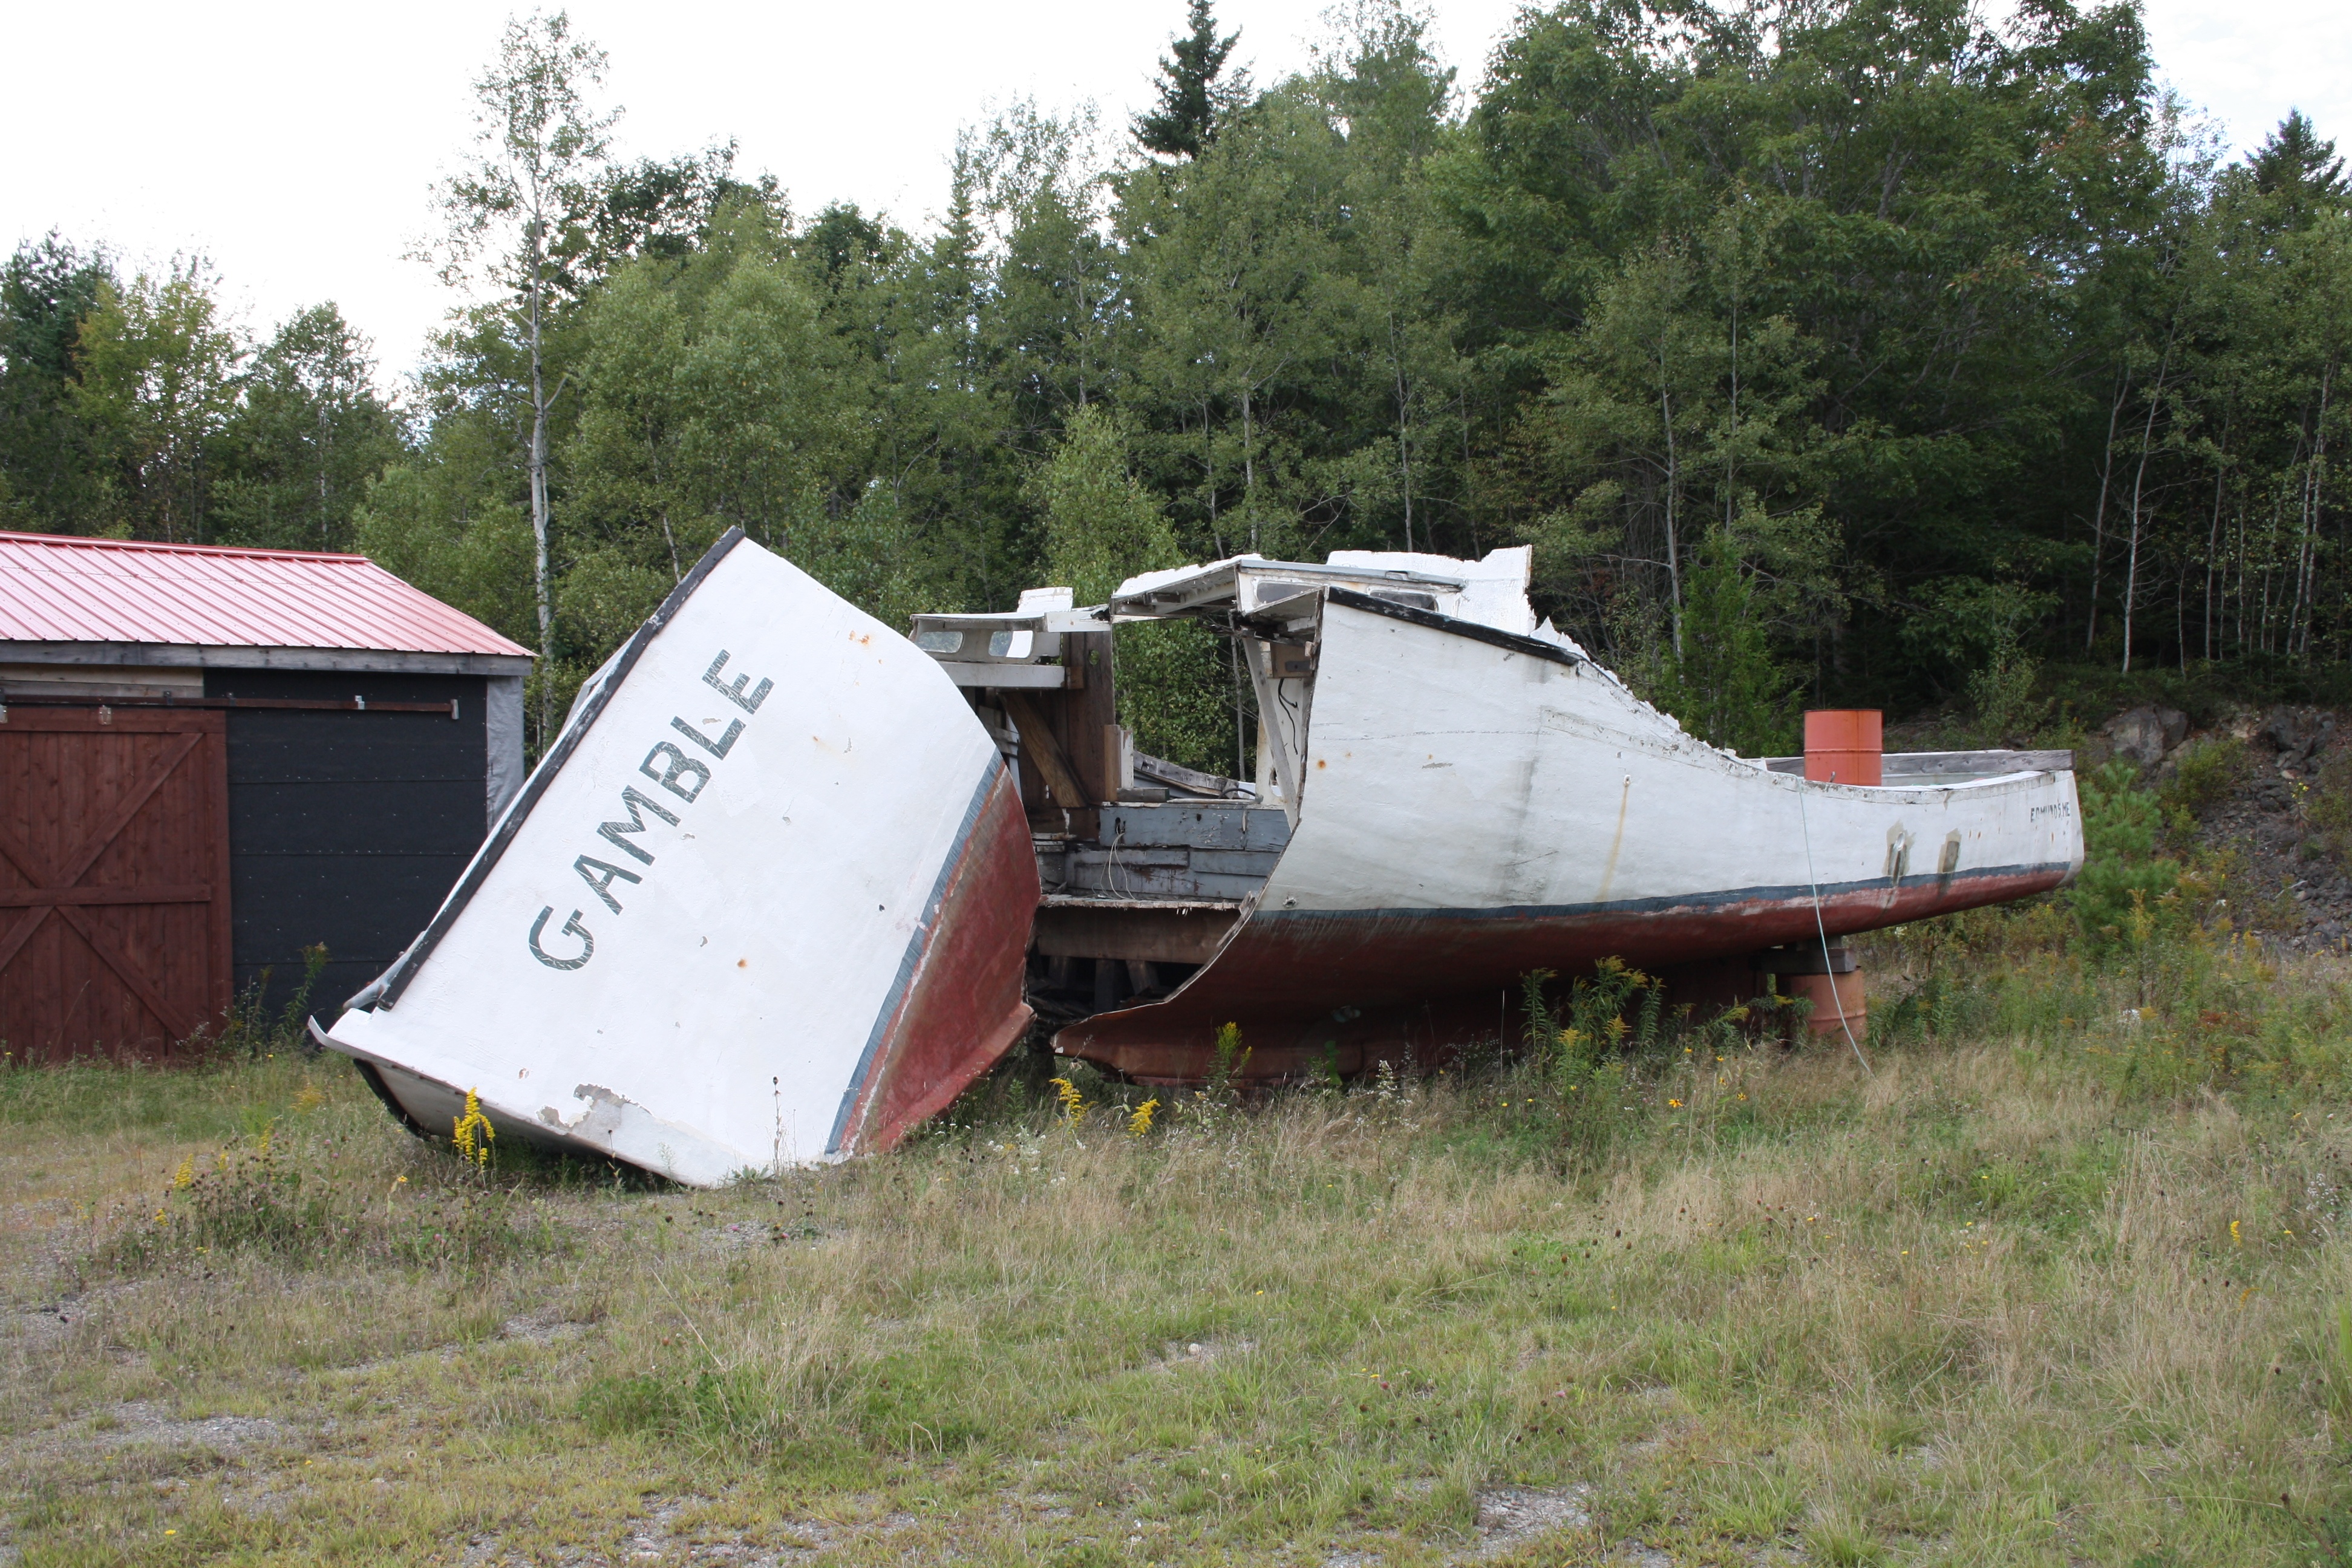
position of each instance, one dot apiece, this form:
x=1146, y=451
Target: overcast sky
x=294, y=144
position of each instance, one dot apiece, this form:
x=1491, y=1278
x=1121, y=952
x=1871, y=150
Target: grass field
x=2064, y=1280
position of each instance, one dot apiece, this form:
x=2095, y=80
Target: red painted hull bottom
x=963, y=1007
x=1309, y=988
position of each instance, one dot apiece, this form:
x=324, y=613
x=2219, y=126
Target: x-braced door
x=114, y=907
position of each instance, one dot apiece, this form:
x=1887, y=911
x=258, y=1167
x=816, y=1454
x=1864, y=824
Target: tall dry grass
x=2059, y=1281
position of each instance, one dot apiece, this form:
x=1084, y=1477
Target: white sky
x=293, y=144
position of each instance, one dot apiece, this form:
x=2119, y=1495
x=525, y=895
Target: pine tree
x=1186, y=119
x=2293, y=160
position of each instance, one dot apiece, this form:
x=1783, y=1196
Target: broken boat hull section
x=764, y=904
x=1470, y=807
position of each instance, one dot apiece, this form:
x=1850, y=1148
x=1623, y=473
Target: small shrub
x=2121, y=824
x=253, y=1196
x=1231, y=1057
x=2328, y=807
x=2207, y=774
x=251, y=1028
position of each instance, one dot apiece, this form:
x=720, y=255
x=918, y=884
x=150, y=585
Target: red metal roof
x=59, y=588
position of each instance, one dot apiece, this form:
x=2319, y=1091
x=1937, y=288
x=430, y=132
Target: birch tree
x=539, y=144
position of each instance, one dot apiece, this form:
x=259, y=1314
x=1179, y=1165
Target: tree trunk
x=539, y=503
x=2307, y=560
x=1404, y=440
x=2139, y=479
x=2099, y=516
x=1249, y=467
x=1674, y=559
x=2214, y=546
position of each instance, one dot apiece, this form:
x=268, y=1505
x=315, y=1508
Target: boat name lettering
x=2060, y=808
x=682, y=777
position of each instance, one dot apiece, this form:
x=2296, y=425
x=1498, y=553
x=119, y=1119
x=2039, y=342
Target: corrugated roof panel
x=57, y=588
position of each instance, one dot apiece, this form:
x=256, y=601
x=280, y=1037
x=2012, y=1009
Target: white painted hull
x=750, y=913
x=1472, y=805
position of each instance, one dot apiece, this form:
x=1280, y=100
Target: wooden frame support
x=1037, y=739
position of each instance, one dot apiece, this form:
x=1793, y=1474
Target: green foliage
x=279, y=1194
x=1102, y=527
x=1189, y=97
x=253, y=1031
x=156, y=388
x=48, y=469
x=2329, y=807
x=312, y=433
x=1726, y=684
x=2122, y=876
x=2206, y=773
x=1837, y=436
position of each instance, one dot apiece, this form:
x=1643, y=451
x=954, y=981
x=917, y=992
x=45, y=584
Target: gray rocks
x=2145, y=734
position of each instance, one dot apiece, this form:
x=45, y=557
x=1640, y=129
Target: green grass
x=1987, y=1305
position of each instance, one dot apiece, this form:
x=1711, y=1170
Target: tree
x=540, y=147
x=1190, y=100
x=2294, y=164
x=158, y=384
x=47, y=471
x=1101, y=527
x=310, y=433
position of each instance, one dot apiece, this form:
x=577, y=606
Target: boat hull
x=1473, y=808
x=765, y=902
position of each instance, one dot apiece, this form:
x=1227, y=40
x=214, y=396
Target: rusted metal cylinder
x=1840, y=1002
x=1844, y=745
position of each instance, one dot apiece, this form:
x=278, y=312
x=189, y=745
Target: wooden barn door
x=114, y=919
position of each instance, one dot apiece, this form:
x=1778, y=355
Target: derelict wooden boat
x=763, y=902
x=1463, y=796
x=774, y=894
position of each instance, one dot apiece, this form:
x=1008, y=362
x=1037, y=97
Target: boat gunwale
x=386, y=990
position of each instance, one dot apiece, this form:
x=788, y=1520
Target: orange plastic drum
x=1844, y=745
x=1840, y=1002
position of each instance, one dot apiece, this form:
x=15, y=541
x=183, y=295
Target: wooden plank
x=221, y=976
x=1214, y=786
x=1086, y=710
x=135, y=800
x=176, y=1025
x=112, y=827
x=144, y=894
x=21, y=934
x=1142, y=935
x=17, y=855
x=226, y=658
x=1039, y=744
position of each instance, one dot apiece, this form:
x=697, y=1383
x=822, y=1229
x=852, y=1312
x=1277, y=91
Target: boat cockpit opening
x=1146, y=865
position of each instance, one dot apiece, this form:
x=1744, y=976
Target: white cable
x=1815, y=883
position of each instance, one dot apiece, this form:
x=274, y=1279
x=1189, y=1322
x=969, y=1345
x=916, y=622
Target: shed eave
x=211, y=657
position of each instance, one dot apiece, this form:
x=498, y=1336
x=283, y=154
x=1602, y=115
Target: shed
x=212, y=759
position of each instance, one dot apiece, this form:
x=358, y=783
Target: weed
x=252, y=1032
x=1228, y=1057
x=2328, y=807
x=1746, y=1294
x=2207, y=772
x=471, y=1134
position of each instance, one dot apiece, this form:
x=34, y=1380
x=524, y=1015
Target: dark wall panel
x=345, y=828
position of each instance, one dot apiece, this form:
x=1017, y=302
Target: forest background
x=1827, y=353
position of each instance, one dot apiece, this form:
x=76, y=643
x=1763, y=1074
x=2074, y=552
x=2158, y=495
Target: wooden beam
x=1148, y=936
x=1037, y=739
x=188, y=655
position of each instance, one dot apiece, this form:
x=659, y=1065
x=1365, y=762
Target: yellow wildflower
x=473, y=1133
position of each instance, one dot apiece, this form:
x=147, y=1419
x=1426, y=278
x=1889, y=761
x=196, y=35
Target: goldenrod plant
x=474, y=1135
